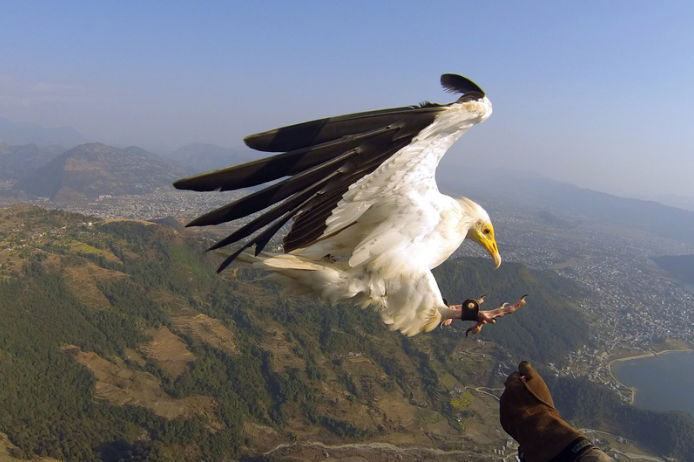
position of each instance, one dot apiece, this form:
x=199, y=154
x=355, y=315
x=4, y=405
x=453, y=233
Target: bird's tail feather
x=406, y=303
x=281, y=261
x=301, y=275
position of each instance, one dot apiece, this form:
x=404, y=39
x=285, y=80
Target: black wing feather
x=271, y=168
x=454, y=83
x=267, y=217
x=272, y=194
x=316, y=211
x=321, y=159
x=316, y=132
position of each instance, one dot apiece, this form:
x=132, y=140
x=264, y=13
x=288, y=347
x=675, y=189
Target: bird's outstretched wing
x=321, y=160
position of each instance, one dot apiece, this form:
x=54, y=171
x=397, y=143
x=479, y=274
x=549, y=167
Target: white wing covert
x=402, y=191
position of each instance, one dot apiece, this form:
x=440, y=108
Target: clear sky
x=599, y=94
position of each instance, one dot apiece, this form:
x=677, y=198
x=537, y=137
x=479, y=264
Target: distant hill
x=18, y=161
x=90, y=170
x=138, y=151
x=682, y=202
x=18, y=133
x=555, y=221
x=679, y=266
x=651, y=216
x=204, y=157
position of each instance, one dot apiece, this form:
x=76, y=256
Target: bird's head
x=481, y=229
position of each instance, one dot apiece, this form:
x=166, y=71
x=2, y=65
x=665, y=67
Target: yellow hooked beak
x=485, y=237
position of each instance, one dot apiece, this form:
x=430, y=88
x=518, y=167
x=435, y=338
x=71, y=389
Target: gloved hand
x=527, y=413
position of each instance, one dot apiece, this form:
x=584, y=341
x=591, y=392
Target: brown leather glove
x=527, y=413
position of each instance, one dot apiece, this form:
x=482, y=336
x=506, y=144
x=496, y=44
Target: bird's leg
x=469, y=311
x=489, y=316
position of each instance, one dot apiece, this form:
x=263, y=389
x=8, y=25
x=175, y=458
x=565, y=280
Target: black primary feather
x=316, y=132
x=320, y=160
x=454, y=83
x=273, y=194
x=271, y=168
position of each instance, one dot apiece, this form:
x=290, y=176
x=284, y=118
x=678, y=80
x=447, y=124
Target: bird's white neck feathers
x=472, y=213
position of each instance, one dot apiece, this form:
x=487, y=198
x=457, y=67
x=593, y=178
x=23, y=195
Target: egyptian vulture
x=368, y=221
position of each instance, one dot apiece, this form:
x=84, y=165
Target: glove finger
x=535, y=383
x=527, y=370
x=513, y=379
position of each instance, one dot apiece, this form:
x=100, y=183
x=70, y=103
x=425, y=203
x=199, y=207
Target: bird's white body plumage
x=388, y=231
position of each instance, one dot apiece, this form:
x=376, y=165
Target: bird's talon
x=488, y=316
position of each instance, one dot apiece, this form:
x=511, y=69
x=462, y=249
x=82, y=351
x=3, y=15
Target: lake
x=663, y=383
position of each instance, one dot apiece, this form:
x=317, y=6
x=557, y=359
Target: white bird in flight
x=369, y=222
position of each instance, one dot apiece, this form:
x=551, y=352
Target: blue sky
x=598, y=94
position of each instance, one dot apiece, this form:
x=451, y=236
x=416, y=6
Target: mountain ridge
x=19, y=161
x=19, y=133
x=203, y=157
x=647, y=215
x=90, y=170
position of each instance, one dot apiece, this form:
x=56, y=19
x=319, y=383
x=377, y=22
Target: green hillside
x=119, y=341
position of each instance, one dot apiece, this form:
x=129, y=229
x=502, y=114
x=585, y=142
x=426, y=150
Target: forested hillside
x=680, y=266
x=119, y=341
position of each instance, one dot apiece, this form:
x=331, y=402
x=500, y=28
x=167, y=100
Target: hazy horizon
x=595, y=95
